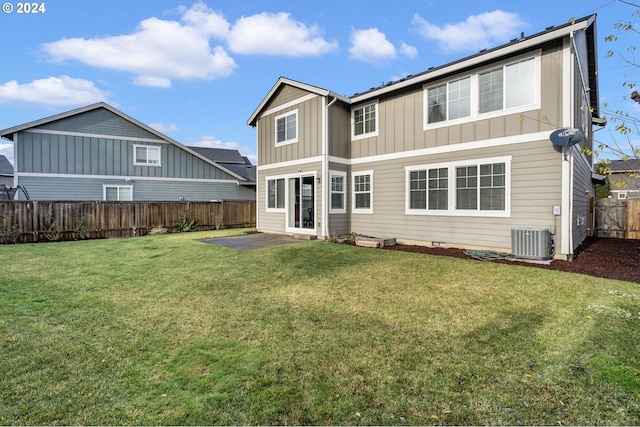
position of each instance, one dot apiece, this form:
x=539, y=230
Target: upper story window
x=468, y=188
x=449, y=101
x=146, y=155
x=287, y=128
x=512, y=86
x=364, y=121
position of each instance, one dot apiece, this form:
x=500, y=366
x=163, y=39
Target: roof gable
x=278, y=86
x=6, y=169
x=108, y=121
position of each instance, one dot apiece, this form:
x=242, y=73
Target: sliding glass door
x=301, y=205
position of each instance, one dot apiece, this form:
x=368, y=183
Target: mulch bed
x=608, y=258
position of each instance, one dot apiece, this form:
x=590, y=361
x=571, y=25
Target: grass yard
x=168, y=330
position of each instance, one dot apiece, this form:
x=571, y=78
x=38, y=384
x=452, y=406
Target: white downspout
x=566, y=246
x=326, y=179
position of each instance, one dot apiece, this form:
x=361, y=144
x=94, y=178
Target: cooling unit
x=531, y=243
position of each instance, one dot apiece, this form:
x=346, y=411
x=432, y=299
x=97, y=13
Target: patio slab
x=253, y=241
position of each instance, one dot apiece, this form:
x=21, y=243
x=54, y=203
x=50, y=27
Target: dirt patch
x=609, y=258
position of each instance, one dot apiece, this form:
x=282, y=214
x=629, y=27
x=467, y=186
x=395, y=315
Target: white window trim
x=355, y=210
x=452, y=211
x=266, y=194
x=155, y=147
x=355, y=137
x=275, y=126
x=344, y=192
x=475, y=115
x=104, y=191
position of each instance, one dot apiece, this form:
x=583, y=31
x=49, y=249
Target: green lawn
x=168, y=330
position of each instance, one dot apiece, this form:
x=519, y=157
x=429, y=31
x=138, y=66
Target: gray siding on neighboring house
x=84, y=155
x=99, y=121
x=91, y=188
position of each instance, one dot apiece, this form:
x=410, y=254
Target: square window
x=365, y=121
x=146, y=155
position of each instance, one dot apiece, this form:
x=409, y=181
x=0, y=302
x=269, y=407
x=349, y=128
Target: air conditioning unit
x=531, y=243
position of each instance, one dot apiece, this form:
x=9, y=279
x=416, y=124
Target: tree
x=625, y=136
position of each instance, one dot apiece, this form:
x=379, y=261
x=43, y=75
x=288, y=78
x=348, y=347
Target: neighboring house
x=231, y=160
x=6, y=172
x=624, y=180
x=99, y=153
x=458, y=155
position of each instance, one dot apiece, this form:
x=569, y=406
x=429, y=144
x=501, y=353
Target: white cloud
x=158, y=51
x=476, y=32
x=55, y=91
x=205, y=20
x=277, y=34
x=409, y=51
x=164, y=128
x=213, y=142
x=151, y=81
x=371, y=46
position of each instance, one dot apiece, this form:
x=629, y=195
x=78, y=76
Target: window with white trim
x=338, y=192
x=513, y=86
x=449, y=101
x=364, y=121
x=146, y=155
x=122, y=193
x=287, y=128
x=479, y=187
x=275, y=194
x=363, y=192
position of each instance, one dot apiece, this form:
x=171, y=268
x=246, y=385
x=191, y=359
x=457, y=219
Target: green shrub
x=184, y=224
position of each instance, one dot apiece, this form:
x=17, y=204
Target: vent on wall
x=531, y=243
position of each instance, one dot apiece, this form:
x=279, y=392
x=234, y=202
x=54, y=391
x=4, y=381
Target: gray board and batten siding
x=74, y=156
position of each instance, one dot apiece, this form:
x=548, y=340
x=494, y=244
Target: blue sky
x=196, y=70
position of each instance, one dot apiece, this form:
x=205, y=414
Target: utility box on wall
x=531, y=243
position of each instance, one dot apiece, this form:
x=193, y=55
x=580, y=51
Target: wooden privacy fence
x=618, y=218
x=35, y=221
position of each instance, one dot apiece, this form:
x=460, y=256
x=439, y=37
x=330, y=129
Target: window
x=438, y=189
x=363, y=192
x=477, y=188
x=287, y=128
x=275, y=194
x=123, y=193
x=338, y=192
x=449, y=101
x=146, y=155
x=507, y=87
x=364, y=121
x=512, y=86
x=466, y=187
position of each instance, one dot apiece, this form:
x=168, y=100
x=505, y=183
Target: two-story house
x=458, y=155
x=97, y=152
